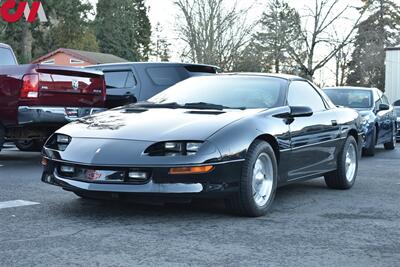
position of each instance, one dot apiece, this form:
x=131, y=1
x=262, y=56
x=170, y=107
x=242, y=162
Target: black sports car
x=236, y=136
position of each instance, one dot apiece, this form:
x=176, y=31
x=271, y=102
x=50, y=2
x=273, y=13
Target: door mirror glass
x=383, y=107
x=300, y=111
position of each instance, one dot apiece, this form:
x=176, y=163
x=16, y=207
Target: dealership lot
x=308, y=225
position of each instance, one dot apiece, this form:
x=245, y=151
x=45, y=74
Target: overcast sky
x=164, y=12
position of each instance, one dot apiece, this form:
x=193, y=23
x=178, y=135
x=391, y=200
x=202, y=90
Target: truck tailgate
x=70, y=87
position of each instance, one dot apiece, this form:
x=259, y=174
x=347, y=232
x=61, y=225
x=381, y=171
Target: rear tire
x=347, y=167
x=391, y=145
x=29, y=145
x=2, y=137
x=258, y=182
x=370, y=150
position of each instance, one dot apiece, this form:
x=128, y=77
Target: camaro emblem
x=75, y=85
x=93, y=175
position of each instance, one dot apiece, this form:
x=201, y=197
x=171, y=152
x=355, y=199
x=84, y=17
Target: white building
x=393, y=73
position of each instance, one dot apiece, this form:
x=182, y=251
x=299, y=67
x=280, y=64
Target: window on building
x=75, y=61
x=49, y=62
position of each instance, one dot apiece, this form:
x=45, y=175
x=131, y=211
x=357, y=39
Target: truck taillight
x=104, y=89
x=30, y=86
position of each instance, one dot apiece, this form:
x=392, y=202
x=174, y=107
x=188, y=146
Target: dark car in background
x=379, y=118
x=397, y=110
x=138, y=81
x=236, y=137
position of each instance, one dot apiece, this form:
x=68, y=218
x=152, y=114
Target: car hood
x=154, y=124
x=364, y=111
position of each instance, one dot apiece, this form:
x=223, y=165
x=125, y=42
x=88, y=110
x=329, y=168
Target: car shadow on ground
x=198, y=208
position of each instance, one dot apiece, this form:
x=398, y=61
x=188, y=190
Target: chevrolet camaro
x=232, y=136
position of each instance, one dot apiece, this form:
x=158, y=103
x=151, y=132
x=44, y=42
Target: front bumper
x=53, y=115
x=368, y=135
x=223, y=179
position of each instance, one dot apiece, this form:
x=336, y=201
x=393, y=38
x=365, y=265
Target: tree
x=213, y=32
x=380, y=30
x=123, y=28
x=161, y=46
x=322, y=20
x=67, y=26
x=251, y=60
x=70, y=26
x=280, y=26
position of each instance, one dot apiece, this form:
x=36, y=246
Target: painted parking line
x=16, y=204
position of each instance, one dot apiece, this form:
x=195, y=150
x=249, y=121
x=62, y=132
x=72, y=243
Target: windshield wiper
x=172, y=105
x=204, y=105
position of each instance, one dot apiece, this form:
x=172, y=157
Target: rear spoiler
x=202, y=68
x=78, y=71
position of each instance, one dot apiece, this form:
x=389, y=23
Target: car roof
x=351, y=88
x=2, y=45
x=259, y=74
x=154, y=64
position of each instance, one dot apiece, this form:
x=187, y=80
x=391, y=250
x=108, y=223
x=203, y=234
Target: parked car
x=36, y=100
x=379, y=119
x=397, y=110
x=131, y=82
x=237, y=137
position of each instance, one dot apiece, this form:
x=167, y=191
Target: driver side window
x=303, y=94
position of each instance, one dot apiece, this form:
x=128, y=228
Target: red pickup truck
x=35, y=100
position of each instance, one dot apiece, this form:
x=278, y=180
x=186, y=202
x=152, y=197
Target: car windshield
x=225, y=91
x=352, y=98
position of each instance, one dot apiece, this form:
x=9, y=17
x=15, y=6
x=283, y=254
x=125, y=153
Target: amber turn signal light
x=44, y=161
x=191, y=170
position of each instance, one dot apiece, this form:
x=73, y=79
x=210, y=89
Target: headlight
x=58, y=142
x=176, y=148
x=365, y=119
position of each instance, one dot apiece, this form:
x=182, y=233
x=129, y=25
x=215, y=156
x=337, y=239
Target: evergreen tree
x=280, y=24
x=123, y=28
x=68, y=26
x=380, y=30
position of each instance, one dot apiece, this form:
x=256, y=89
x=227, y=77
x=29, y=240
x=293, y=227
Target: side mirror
x=300, y=111
x=383, y=107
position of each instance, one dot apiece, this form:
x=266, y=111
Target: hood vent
x=134, y=110
x=205, y=112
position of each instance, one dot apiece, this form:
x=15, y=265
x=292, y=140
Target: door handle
x=334, y=123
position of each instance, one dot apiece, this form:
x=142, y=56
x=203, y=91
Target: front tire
x=258, y=182
x=392, y=144
x=347, y=167
x=370, y=150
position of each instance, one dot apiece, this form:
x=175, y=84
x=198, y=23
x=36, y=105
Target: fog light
x=67, y=169
x=44, y=161
x=137, y=175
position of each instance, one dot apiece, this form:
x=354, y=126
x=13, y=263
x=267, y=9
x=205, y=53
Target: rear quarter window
x=164, y=76
x=6, y=57
x=119, y=79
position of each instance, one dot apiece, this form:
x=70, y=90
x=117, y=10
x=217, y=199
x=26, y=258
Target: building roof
x=396, y=48
x=90, y=57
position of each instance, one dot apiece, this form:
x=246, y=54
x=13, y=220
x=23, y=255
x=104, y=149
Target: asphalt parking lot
x=309, y=225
